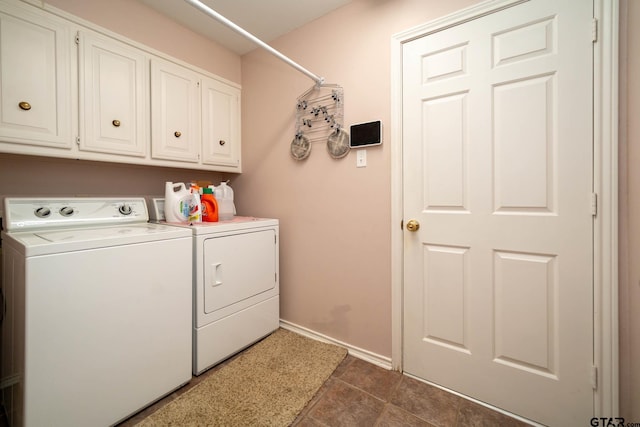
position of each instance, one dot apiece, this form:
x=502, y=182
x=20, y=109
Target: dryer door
x=238, y=267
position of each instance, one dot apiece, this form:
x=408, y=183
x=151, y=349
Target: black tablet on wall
x=366, y=134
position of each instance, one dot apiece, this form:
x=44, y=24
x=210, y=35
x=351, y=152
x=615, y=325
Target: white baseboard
x=368, y=356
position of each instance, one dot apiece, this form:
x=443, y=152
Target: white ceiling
x=265, y=19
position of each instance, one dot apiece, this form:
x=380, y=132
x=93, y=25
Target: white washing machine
x=235, y=282
x=98, y=310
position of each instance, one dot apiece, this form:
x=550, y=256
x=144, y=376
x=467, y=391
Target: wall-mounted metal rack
x=320, y=112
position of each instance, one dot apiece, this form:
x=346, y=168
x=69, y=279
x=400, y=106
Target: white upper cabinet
x=175, y=112
x=71, y=89
x=35, y=88
x=113, y=96
x=220, y=124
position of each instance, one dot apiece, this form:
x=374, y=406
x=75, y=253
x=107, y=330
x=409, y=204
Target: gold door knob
x=178, y=134
x=413, y=225
x=24, y=105
x=116, y=123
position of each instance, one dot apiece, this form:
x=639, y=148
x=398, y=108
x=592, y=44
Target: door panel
x=446, y=274
x=524, y=179
x=525, y=307
x=497, y=168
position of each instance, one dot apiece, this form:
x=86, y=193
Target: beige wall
x=630, y=211
x=43, y=176
x=143, y=24
x=335, y=218
x=335, y=271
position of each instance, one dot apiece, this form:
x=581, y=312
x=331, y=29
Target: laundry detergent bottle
x=195, y=205
x=209, y=206
x=177, y=202
x=224, y=195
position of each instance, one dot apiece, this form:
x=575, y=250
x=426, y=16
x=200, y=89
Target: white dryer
x=98, y=310
x=235, y=283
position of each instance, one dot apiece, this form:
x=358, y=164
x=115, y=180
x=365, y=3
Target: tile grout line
x=409, y=412
x=305, y=413
x=384, y=408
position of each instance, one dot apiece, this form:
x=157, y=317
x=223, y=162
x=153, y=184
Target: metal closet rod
x=215, y=15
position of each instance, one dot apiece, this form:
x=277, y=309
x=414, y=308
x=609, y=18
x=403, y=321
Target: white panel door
x=497, y=140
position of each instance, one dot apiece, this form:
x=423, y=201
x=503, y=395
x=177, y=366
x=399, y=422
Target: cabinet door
x=220, y=124
x=175, y=112
x=113, y=96
x=35, y=88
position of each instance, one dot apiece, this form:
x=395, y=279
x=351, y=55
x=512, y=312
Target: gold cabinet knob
x=413, y=225
x=222, y=142
x=24, y=106
x=116, y=123
x=178, y=134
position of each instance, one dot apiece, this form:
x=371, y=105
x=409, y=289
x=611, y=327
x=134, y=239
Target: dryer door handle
x=215, y=274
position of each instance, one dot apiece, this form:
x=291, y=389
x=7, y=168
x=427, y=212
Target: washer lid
x=45, y=242
x=86, y=234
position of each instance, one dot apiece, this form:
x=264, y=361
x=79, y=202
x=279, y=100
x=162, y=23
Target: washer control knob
x=67, y=211
x=125, y=209
x=43, y=212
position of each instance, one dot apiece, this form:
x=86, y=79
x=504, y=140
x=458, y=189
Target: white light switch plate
x=361, y=158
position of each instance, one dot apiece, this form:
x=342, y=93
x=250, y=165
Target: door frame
x=605, y=185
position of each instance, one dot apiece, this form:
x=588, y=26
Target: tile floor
x=362, y=394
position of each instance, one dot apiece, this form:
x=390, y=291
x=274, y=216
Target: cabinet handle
x=24, y=105
x=178, y=134
x=116, y=123
x=222, y=142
